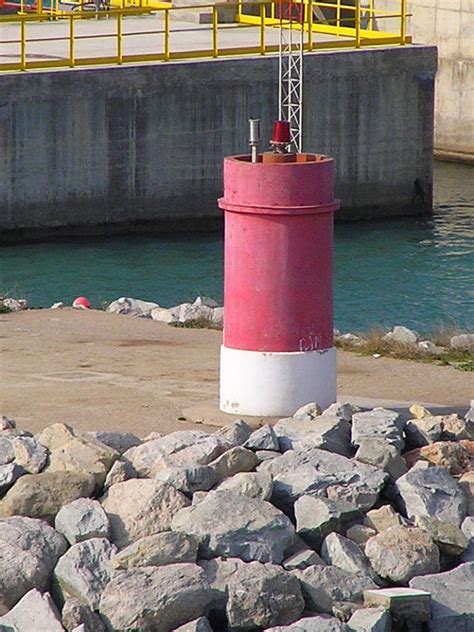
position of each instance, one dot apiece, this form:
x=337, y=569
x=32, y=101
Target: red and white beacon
x=277, y=352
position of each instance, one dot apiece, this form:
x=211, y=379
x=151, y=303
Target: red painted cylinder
x=278, y=254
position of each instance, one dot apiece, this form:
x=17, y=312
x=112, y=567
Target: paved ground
x=142, y=34
x=95, y=371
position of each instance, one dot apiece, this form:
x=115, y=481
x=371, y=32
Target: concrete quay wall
x=142, y=146
x=448, y=24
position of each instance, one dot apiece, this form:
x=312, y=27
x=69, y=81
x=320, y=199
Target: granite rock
x=183, y=448
x=29, y=550
x=343, y=553
x=84, y=571
x=160, y=549
x=317, y=472
x=82, y=519
x=138, y=508
x=318, y=623
x=9, y=474
x=29, y=454
x=34, y=611
x=449, y=538
x=420, y=432
x=451, y=592
x=189, y=479
x=404, y=604
x=118, y=441
x=43, y=495
x=247, y=528
x=75, y=613
x=370, y=620
x=122, y=470
x=198, y=625
x=256, y=595
x=317, y=517
x=301, y=560
x=155, y=598
x=379, y=453
x=383, y=518
x=432, y=493
x=132, y=307
x=251, y=484
x=236, y=433
x=324, y=585
x=379, y=423
x=401, y=553
x=324, y=432
x=263, y=439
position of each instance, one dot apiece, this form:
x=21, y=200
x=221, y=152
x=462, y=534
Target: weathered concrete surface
x=448, y=24
x=142, y=146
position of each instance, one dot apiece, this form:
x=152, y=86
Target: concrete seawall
x=142, y=146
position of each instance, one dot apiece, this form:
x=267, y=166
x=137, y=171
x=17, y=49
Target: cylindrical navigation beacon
x=278, y=352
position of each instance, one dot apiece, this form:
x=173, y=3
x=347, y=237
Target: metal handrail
x=354, y=36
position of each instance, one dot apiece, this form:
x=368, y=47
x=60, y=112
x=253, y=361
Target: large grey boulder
x=82, y=519
x=462, y=341
x=189, y=479
x=55, y=435
x=83, y=455
x=163, y=548
x=183, y=448
x=256, y=595
x=263, y=439
x=324, y=432
x=29, y=454
x=402, y=335
x=84, y=571
x=401, y=553
x=75, y=613
x=198, y=625
x=432, y=492
x=449, y=538
x=119, y=441
x=379, y=453
x=122, y=470
x=232, y=525
x=467, y=528
x=420, y=432
x=138, y=508
x=132, y=307
x=383, y=518
x=251, y=484
x=345, y=554
x=317, y=517
x=379, y=423
x=155, y=598
x=370, y=620
x=236, y=433
x=9, y=474
x=43, y=495
x=29, y=550
x=301, y=560
x=451, y=594
x=35, y=611
x=318, y=623
x=7, y=453
x=317, y=472
x=233, y=461
x=323, y=586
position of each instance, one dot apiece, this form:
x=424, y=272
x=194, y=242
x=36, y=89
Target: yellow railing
x=31, y=48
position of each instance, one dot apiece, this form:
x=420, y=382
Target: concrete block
x=403, y=603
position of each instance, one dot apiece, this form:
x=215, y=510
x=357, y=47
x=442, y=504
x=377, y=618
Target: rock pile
x=342, y=520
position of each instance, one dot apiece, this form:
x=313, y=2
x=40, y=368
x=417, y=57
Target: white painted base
x=275, y=384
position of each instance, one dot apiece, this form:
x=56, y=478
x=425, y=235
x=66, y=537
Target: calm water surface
x=417, y=272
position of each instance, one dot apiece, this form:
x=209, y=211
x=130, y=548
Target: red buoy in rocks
x=277, y=351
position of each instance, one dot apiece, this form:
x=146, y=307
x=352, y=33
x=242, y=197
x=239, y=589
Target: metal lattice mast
x=290, y=85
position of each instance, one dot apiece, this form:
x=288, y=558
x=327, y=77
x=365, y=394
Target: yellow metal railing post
x=403, y=22
x=71, y=40
x=272, y=9
x=167, y=34
x=371, y=15
x=39, y=7
x=23, y=43
x=119, y=38
x=357, y=22
x=338, y=16
x=310, y=25
x=215, y=50
x=262, y=29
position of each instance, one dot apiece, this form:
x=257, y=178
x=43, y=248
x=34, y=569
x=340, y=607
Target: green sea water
x=418, y=272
